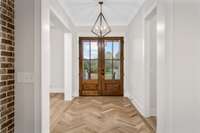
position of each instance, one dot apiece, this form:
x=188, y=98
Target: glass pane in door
x=90, y=60
x=94, y=69
x=116, y=69
x=86, y=50
x=108, y=50
x=94, y=50
x=112, y=60
x=116, y=49
x=108, y=70
x=86, y=69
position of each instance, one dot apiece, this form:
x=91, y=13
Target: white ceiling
x=117, y=12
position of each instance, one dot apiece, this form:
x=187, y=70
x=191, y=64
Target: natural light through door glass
x=116, y=70
x=86, y=69
x=108, y=50
x=94, y=50
x=116, y=50
x=86, y=50
x=108, y=69
x=94, y=69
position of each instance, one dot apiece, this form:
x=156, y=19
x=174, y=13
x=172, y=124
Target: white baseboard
x=68, y=97
x=138, y=106
x=56, y=90
x=153, y=112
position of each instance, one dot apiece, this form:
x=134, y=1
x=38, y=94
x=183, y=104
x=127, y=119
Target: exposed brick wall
x=7, y=66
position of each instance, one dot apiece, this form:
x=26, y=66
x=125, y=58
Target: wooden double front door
x=101, y=66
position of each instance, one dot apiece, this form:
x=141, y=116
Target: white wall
x=56, y=59
x=135, y=40
x=178, y=64
x=24, y=63
x=179, y=30
x=153, y=66
x=151, y=58
x=68, y=68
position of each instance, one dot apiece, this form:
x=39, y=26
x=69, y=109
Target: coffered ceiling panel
x=117, y=12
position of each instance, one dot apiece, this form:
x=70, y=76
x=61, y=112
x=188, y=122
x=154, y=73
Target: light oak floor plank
x=152, y=122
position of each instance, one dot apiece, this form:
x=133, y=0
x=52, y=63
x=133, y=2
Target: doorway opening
x=101, y=66
x=60, y=55
x=151, y=67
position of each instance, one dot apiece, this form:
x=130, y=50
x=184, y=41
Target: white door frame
x=148, y=111
x=45, y=63
x=67, y=66
x=42, y=63
x=67, y=50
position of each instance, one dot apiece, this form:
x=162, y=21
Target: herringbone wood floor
x=152, y=122
x=95, y=115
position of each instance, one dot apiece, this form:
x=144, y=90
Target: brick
x=10, y=60
x=6, y=77
x=6, y=65
x=10, y=82
x=6, y=88
x=6, y=124
x=6, y=41
x=3, y=71
x=3, y=47
x=10, y=104
x=2, y=120
x=10, y=48
x=5, y=53
x=11, y=93
x=7, y=71
x=2, y=95
x=6, y=100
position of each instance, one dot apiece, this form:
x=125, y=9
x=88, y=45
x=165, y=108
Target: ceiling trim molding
x=118, y=16
x=59, y=12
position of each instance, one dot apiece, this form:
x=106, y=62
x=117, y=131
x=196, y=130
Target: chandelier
x=101, y=27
